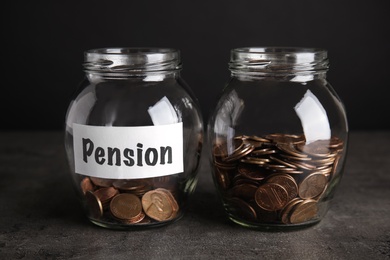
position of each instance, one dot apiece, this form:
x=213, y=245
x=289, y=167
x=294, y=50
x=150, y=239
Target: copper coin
x=101, y=181
x=175, y=206
x=287, y=182
x=244, y=191
x=265, y=151
x=283, y=162
x=134, y=220
x=335, y=165
x=128, y=185
x=242, y=151
x=255, y=143
x=126, y=206
x=293, y=158
x=86, y=185
x=271, y=196
x=286, y=138
x=285, y=213
x=222, y=178
x=220, y=151
x=313, y=185
x=242, y=209
x=157, y=205
x=94, y=205
x=106, y=194
x=335, y=143
x=255, y=160
x=252, y=172
x=318, y=148
x=225, y=165
x=264, y=216
x=239, y=181
x=259, y=139
x=290, y=150
x=303, y=211
x=235, y=146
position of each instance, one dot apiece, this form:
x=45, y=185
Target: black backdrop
x=43, y=44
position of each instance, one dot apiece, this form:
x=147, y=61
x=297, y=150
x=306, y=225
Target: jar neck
x=122, y=63
x=279, y=63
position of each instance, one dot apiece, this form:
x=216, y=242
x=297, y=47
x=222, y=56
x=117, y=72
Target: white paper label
x=128, y=152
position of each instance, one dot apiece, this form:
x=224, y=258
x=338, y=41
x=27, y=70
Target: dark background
x=43, y=46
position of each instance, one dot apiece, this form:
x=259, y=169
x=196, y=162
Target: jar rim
x=280, y=49
x=277, y=59
x=131, y=50
x=132, y=59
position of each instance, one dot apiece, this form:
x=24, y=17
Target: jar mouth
x=132, y=60
x=286, y=60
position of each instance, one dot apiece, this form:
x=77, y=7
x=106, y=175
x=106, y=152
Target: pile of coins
x=139, y=201
x=276, y=178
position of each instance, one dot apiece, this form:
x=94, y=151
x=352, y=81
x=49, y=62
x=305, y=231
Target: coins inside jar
x=131, y=202
x=280, y=178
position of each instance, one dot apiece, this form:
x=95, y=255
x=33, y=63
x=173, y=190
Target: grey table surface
x=41, y=218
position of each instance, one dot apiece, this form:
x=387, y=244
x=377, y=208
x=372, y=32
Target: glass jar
x=278, y=138
x=133, y=137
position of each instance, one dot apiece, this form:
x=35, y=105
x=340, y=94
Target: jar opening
x=132, y=60
x=278, y=60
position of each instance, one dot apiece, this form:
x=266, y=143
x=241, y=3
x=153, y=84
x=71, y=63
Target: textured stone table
x=41, y=218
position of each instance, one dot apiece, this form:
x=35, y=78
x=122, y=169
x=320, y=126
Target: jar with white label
x=278, y=138
x=133, y=137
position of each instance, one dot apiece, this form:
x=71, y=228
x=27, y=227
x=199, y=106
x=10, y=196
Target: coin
x=128, y=185
x=126, y=206
x=335, y=143
x=101, y=181
x=255, y=160
x=264, y=216
x=271, y=196
x=157, y=205
x=252, y=172
x=175, y=206
x=287, y=182
x=220, y=151
x=285, y=213
x=253, y=143
x=259, y=139
x=312, y=186
x=282, y=169
x=318, y=148
x=135, y=220
x=225, y=165
x=86, y=185
x=137, y=187
x=94, y=205
x=264, y=151
x=240, y=152
x=290, y=150
x=303, y=211
x=283, y=162
x=244, y=191
x=242, y=209
x=222, y=177
x=286, y=138
x=335, y=165
x=106, y=194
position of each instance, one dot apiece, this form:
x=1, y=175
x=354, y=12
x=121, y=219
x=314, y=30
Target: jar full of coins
x=133, y=137
x=278, y=138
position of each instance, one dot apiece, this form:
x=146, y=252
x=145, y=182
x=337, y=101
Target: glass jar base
x=274, y=226
x=134, y=226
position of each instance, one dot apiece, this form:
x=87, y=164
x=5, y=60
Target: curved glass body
x=278, y=138
x=133, y=138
